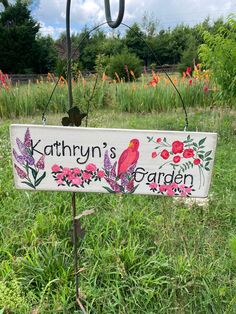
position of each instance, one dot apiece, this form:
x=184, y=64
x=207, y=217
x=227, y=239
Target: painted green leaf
x=34, y=172
x=134, y=189
x=108, y=189
x=201, y=156
x=202, y=141
x=29, y=184
x=208, y=153
x=40, y=179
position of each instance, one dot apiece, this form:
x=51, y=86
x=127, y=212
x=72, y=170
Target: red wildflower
x=176, y=159
x=154, y=154
x=165, y=154
x=197, y=162
x=177, y=147
x=188, y=153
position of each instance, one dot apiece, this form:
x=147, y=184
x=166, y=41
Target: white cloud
x=168, y=13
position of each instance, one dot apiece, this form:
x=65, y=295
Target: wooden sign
x=112, y=160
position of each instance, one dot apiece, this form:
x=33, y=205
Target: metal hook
x=114, y=24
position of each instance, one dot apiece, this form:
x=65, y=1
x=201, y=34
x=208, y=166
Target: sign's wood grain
x=112, y=160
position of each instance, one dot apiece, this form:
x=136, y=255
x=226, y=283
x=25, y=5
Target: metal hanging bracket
x=114, y=24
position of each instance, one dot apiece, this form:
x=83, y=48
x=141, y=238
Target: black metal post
x=70, y=100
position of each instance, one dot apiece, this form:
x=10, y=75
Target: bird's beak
x=131, y=145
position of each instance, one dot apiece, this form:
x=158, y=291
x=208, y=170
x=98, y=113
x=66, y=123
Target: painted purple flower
x=107, y=162
x=29, y=159
x=20, y=172
x=40, y=163
x=18, y=158
x=23, y=149
x=113, y=171
x=124, y=180
x=114, y=185
x=131, y=169
x=27, y=141
x=130, y=185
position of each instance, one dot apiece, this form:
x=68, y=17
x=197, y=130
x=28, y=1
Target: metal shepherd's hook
x=114, y=24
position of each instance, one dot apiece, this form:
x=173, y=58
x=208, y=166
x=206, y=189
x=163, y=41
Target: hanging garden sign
x=112, y=160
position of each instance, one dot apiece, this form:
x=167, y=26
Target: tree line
x=24, y=50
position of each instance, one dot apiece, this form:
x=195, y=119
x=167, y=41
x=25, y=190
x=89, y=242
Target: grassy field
x=140, y=254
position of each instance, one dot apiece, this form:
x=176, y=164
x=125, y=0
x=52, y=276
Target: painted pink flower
x=177, y=147
x=165, y=154
x=170, y=192
x=183, y=194
x=76, y=171
x=162, y=188
x=59, y=176
x=91, y=167
x=158, y=140
x=188, y=190
x=153, y=185
x=66, y=171
x=71, y=176
x=56, y=168
x=101, y=174
x=40, y=163
x=86, y=175
x=182, y=187
x=21, y=173
x=154, y=154
x=60, y=182
x=188, y=153
x=174, y=185
x=77, y=181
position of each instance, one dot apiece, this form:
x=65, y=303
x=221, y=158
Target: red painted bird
x=129, y=157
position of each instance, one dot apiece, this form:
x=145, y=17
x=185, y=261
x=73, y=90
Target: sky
x=51, y=13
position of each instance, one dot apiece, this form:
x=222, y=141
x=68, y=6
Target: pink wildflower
x=21, y=173
x=66, y=171
x=86, y=175
x=101, y=174
x=162, y=188
x=76, y=171
x=188, y=190
x=153, y=185
x=91, y=167
x=59, y=176
x=77, y=181
x=56, y=168
x=40, y=163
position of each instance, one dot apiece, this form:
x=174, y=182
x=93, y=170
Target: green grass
x=140, y=255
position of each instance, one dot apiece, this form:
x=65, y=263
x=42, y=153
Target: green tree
x=122, y=64
x=18, y=31
x=46, y=55
x=218, y=53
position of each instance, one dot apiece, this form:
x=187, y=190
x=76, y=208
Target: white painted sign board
x=51, y=158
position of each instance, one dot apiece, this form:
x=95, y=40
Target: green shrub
x=122, y=64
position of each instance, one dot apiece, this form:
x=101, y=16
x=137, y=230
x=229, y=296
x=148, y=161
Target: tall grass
x=139, y=96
